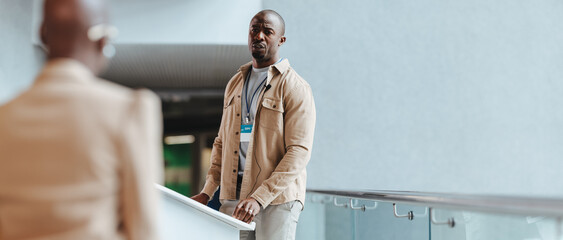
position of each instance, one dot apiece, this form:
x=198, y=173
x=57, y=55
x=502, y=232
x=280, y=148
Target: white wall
x=430, y=95
x=181, y=21
x=19, y=59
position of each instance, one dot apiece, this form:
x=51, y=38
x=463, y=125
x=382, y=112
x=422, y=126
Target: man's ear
x=282, y=41
x=100, y=44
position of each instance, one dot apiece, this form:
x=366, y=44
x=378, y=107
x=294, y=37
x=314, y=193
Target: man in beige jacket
x=265, y=139
x=79, y=155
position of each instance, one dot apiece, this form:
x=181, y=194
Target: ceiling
x=176, y=66
x=189, y=79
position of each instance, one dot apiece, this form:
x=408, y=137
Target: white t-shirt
x=254, y=86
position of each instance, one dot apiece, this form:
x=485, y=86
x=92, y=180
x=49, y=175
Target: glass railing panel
x=311, y=223
x=471, y=225
x=379, y=222
x=373, y=215
x=322, y=219
x=329, y=217
x=340, y=222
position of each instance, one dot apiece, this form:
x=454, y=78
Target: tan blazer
x=78, y=158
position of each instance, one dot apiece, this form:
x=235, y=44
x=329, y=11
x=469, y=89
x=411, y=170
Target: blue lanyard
x=248, y=106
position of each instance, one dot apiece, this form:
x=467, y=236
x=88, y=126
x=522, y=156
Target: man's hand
x=201, y=198
x=246, y=210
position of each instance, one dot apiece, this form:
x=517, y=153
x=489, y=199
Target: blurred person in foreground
x=79, y=155
x=260, y=155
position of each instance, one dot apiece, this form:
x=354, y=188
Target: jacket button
x=238, y=96
x=236, y=133
x=238, y=114
x=274, y=106
x=236, y=152
x=234, y=170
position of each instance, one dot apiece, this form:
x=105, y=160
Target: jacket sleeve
x=140, y=145
x=213, y=179
x=299, y=128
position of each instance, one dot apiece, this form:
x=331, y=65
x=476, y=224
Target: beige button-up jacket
x=78, y=159
x=280, y=144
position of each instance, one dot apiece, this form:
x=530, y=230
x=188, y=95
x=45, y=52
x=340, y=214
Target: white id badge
x=245, y=131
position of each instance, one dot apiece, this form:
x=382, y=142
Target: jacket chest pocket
x=271, y=114
x=228, y=113
x=228, y=103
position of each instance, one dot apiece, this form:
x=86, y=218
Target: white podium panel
x=184, y=218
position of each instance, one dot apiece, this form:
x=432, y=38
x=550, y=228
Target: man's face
x=265, y=37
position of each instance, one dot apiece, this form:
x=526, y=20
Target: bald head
x=65, y=30
x=273, y=15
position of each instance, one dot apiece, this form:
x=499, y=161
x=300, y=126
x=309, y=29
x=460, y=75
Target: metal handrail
x=409, y=215
x=482, y=203
x=363, y=207
x=344, y=205
x=450, y=222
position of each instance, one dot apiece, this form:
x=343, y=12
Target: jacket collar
x=66, y=68
x=280, y=66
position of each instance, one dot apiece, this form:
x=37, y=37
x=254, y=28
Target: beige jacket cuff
x=263, y=196
x=210, y=189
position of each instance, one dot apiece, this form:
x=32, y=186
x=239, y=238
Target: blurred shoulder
x=117, y=104
x=120, y=94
